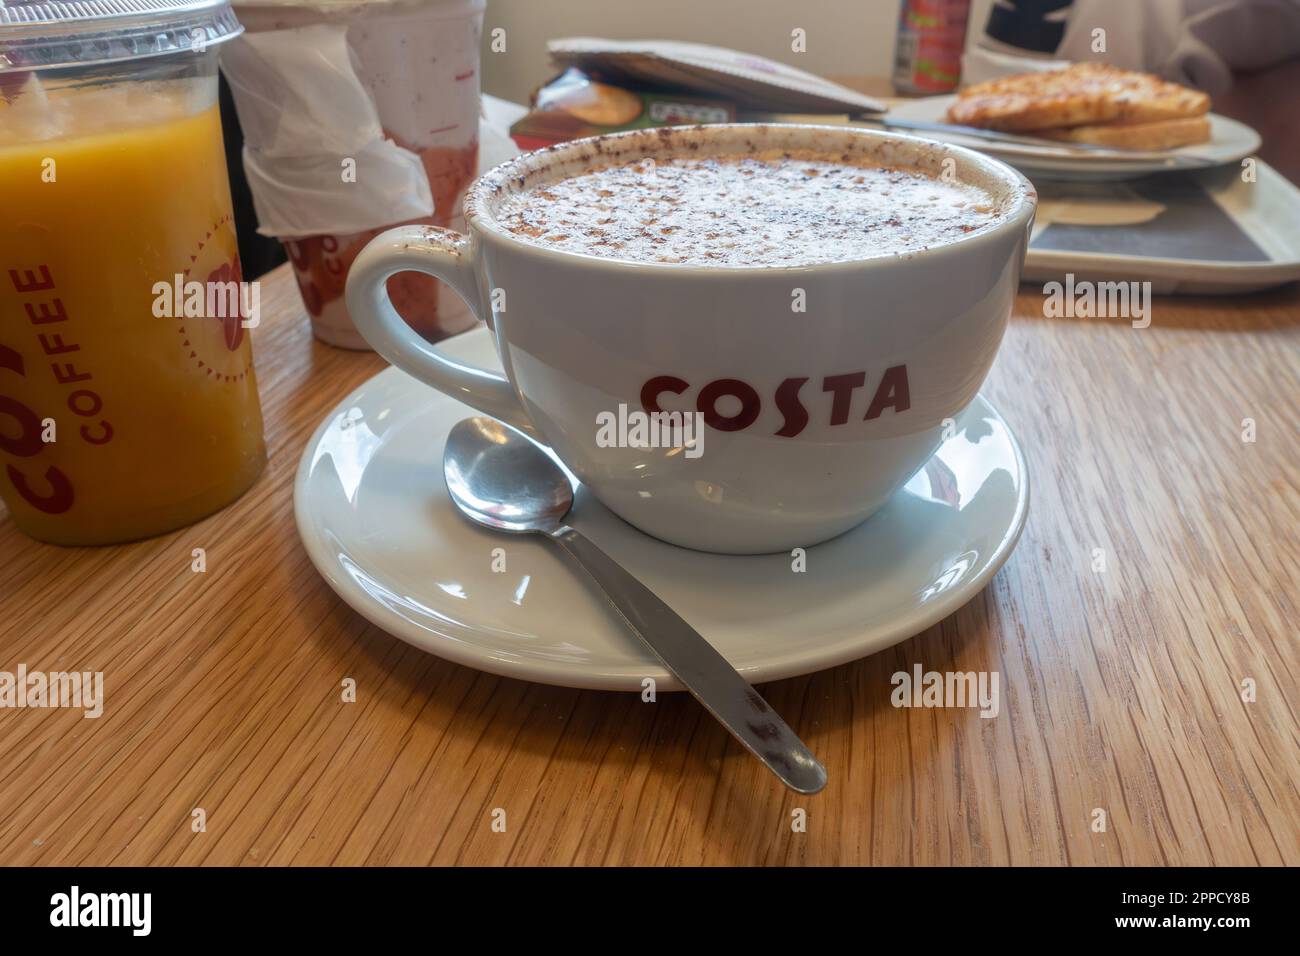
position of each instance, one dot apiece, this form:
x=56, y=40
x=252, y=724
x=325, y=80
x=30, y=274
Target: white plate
x=1230, y=142
x=374, y=516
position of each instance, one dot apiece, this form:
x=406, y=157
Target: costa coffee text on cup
x=891, y=392
x=50, y=491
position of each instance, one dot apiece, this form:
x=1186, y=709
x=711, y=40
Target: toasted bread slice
x=1160, y=134
x=1081, y=95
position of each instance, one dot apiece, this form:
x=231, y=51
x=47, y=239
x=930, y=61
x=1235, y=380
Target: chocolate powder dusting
x=765, y=208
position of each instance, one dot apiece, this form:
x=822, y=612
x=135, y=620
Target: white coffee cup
x=905, y=339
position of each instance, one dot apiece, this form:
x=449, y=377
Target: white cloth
x=1198, y=43
x=1195, y=42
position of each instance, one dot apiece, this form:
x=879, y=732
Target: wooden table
x=1121, y=689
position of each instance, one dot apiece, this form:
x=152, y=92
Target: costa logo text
x=836, y=402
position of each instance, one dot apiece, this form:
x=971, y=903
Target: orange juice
x=120, y=415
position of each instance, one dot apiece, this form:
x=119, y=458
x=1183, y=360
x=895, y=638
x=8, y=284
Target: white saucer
x=1230, y=142
x=375, y=518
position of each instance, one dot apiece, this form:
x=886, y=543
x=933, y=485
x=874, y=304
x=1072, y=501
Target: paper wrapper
x=358, y=117
x=306, y=116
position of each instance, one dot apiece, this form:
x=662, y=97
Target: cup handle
x=444, y=255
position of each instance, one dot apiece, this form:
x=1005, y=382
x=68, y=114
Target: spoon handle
x=704, y=672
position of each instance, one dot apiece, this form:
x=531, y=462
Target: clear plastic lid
x=46, y=34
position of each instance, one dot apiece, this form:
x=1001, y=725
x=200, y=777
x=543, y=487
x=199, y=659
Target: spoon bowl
x=502, y=480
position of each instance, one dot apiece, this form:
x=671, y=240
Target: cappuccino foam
x=773, y=208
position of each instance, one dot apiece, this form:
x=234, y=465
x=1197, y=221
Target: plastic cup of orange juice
x=128, y=403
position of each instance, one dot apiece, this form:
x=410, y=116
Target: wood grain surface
x=1121, y=689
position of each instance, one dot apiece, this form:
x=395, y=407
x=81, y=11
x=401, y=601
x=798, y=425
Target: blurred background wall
x=844, y=37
